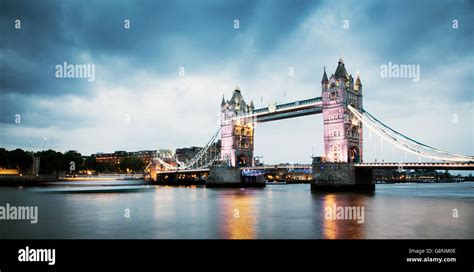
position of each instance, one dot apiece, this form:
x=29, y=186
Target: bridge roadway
x=418, y=165
x=199, y=176
x=278, y=167
x=373, y=165
x=381, y=165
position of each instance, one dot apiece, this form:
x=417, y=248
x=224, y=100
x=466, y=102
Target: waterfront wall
x=226, y=176
x=341, y=177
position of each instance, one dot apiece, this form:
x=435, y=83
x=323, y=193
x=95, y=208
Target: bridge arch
x=354, y=154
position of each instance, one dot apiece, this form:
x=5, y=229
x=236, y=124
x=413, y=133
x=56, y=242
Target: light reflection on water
x=237, y=217
x=285, y=211
x=342, y=229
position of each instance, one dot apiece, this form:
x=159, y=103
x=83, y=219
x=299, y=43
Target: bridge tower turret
x=237, y=134
x=342, y=131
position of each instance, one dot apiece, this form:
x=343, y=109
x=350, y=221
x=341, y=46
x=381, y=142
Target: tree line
x=53, y=162
x=15, y=159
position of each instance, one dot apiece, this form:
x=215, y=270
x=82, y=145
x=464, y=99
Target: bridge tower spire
x=342, y=131
x=223, y=101
x=325, y=76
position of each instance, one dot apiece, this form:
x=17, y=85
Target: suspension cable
x=404, y=142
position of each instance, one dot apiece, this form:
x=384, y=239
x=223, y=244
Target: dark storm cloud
x=199, y=34
x=413, y=30
x=163, y=36
x=419, y=32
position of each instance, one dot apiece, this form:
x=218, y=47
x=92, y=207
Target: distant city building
x=419, y=175
x=187, y=153
x=145, y=155
x=110, y=158
x=165, y=153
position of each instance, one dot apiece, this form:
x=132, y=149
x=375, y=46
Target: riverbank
x=51, y=180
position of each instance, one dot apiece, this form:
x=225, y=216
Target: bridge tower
x=342, y=131
x=237, y=135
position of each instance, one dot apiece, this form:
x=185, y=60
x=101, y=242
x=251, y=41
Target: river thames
x=116, y=210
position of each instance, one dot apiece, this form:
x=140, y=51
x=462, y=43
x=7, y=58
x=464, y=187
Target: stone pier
x=228, y=176
x=341, y=177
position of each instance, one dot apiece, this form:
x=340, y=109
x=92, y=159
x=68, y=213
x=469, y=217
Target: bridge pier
x=341, y=177
x=231, y=177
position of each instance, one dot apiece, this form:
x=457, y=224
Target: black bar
x=316, y=255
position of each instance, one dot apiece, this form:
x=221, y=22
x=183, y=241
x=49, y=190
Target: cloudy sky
x=140, y=101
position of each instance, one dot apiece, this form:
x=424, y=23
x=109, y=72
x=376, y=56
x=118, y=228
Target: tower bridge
x=342, y=131
x=340, y=167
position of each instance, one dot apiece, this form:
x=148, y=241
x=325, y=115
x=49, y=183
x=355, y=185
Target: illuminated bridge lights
x=279, y=166
x=252, y=173
x=303, y=171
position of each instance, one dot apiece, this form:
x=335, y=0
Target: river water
x=120, y=210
